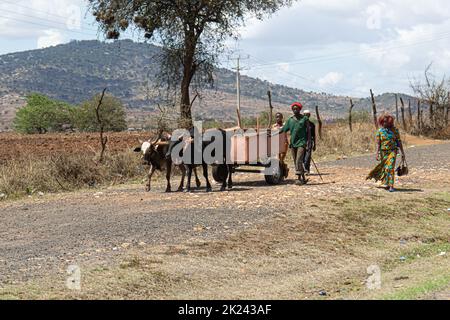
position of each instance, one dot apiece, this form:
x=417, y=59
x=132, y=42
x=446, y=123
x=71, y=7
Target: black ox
x=158, y=154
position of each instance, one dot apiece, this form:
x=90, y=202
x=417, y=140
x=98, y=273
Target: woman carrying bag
x=389, y=143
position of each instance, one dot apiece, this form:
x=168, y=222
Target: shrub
x=112, y=114
x=66, y=172
x=42, y=114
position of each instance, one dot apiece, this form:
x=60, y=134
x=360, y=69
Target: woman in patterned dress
x=389, y=143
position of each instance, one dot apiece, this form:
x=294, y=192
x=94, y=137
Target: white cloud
x=331, y=79
x=30, y=19
x=334, y=6
x=390, y=41
x=386, y=40
x=50, y=39
x=284, y=66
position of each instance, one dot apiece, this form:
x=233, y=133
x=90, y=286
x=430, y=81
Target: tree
x=191, y=32
x=435, y=93
x=42, y=114
x=112, y=113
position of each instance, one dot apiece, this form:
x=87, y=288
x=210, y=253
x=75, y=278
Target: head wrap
x=297, y=104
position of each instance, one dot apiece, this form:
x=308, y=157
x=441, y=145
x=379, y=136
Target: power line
x=47, y=20
x=33, y=9
x=314, y=82
x=325, y=58
x=48, y=26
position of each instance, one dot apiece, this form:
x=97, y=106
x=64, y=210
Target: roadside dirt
x=42, y=236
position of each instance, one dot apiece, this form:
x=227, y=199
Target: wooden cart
x=251, y=151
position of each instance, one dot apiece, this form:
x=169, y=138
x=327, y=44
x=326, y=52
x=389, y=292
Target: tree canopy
x=112, y=114
x=43, y=114
x=191, y=32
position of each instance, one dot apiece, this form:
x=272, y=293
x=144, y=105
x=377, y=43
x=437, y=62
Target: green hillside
x=78, y=70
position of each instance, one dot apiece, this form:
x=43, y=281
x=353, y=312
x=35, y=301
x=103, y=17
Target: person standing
x=298, y=126
x=284, y=142
x=389, y=143
x=278, y=125
x=311, y=145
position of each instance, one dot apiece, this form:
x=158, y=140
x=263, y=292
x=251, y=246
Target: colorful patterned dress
x=385, y=171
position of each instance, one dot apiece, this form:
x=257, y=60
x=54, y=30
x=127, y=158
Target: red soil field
x=16, y=146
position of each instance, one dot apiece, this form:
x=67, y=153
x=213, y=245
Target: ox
x=190, y=147
x=154, y=154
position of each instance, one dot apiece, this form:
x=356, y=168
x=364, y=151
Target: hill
x=78, y=70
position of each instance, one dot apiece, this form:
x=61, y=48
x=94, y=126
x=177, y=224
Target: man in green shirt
x=298, y=126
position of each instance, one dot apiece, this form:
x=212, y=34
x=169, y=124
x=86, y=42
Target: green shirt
x=298, y=129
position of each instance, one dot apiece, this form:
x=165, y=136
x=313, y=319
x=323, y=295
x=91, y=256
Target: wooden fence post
x=269, y=94
x=432, y=115
x=374, y=110
x=350, y=115
x=447, y=109
x=410, y=115
x=396, y=108
x=403, y=113
x=419, y=125
x=319, y=119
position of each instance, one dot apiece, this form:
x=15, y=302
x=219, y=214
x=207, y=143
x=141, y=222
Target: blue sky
x=336, y=46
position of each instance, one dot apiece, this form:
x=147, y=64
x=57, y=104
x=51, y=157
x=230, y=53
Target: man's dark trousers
x=298, y=154
x=308, y=156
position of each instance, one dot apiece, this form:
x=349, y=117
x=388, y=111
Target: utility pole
x=238, y=86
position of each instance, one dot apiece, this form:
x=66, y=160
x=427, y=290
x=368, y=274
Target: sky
x=344, y=47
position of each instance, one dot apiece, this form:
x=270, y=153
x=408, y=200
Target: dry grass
x=338, y=141
x=66, y=172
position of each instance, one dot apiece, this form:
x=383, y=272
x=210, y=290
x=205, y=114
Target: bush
x=66, y=172
x=42, y=115
x=112, y=114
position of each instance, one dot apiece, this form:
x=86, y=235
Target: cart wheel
x=220, y=173
x=276, y=175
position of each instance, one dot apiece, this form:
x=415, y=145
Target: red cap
x=297, y=104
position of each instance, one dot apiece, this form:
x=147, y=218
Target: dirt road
x=41, y=236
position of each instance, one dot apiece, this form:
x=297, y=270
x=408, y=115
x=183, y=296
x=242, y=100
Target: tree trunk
x=103, y=139
x=185, y=107
x=189, y=69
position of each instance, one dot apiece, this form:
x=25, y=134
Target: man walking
x=311, y=144
x=298, y=125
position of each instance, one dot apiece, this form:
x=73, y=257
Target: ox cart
x=253, y=151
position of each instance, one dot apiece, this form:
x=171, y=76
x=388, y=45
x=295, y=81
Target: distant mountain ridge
x=78, y=70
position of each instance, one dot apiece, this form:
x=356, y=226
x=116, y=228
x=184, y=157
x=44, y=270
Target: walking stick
x=317, y=169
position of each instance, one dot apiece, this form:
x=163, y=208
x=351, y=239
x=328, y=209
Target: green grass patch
x=420, y=290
